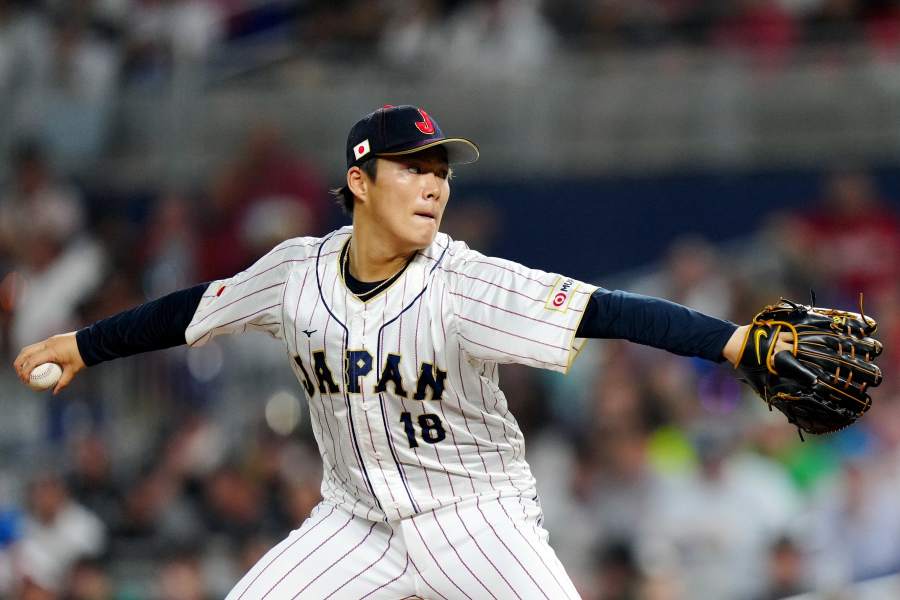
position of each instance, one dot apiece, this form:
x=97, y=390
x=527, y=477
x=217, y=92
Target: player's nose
x=431, y=186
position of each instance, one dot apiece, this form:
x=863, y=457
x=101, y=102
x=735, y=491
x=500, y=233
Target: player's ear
x=358, y=183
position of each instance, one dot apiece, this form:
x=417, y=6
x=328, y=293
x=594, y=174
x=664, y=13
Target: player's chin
x=423, y=230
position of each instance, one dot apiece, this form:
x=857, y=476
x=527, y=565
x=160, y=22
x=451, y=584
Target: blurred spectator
x=266, y=195
x=77, y=101
x=10, y=531
x=715, y=526
x=498, y=38
x=164, y=34
x=41, y=223
x=57, y=532
x=347, y=29
x=692, y=276
x=24, y=40
x=835, y=22
x=856, y=526
x=475, y=220
x=300, y=498
x=787, y=575
x=624, y=484
x=89, y=580
x=851, y=241
x=170, y=246
x=91, y=480
x=182, y=578
x=36, y=203
x=761, y=27
x=882, y=26
x=606, y=24
x=156, y=517
x=31, y=590
x=253, y=549
x=233, y=505
x=618, y=575
x=413, y=34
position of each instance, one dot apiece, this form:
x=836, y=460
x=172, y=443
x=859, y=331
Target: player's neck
x=372, y=258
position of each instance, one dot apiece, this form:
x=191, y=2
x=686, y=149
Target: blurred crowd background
x=717, y=153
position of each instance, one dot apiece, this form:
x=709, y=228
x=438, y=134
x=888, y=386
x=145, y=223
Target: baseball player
x=394, y=331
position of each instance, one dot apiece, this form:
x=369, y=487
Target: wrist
x=735, y=344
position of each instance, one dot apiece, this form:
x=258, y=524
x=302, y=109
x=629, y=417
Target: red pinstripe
x=437, y=564
x=312, y=403
x=236, y=300
x=530, y=545
x=308, y=554
x=455, y=551
x=510, y=353
x=416, y=362
x=512, y=481
x=372, y=564
x=462, y=386
x=452, y=434
x=497, y=285
x=483, y=553
x=516, y=273
x=275, y=266
x=283, y=550
x=423, y=579
x=334, y=444
x=511, y=553
x=505, y=332
x=210, y=332
x=387, y=583
x=339, y=559
x=512, y=312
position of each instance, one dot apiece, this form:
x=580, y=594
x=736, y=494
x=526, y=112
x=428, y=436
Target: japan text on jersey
x=403, y=389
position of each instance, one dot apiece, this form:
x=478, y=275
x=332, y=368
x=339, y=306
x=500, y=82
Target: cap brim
x=460, y=151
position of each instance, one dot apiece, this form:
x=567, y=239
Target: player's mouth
x=426, y=215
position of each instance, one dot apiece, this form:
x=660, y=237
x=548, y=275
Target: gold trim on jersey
x=345, y=254
x=575, y=349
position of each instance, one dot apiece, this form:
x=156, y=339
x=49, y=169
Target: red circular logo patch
x=559, y=299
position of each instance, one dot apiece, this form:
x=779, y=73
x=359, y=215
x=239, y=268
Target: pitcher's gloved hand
x=822, y=383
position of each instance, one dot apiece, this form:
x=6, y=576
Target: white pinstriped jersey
x=403, y=389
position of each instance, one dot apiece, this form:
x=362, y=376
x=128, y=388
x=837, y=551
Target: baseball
x=44, y=376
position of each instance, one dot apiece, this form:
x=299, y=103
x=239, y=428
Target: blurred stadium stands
x=717, y=153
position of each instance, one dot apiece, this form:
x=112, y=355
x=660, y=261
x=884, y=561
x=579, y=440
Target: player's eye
x=414, y=170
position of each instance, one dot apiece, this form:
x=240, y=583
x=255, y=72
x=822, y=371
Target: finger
x=65, y=379
x=24, y=353
x=786, y=365
x=36, y=358
x=22, y=362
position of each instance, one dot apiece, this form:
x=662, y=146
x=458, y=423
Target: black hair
x=344, y=196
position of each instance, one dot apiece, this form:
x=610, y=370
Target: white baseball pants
x=475, y=549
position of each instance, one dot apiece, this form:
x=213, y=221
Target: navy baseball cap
x=398, y=130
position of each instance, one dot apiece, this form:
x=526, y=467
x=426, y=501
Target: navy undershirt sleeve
x=154, y=325
x=654, y=322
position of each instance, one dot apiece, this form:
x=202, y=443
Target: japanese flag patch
x=561, y=294
x=361, y=149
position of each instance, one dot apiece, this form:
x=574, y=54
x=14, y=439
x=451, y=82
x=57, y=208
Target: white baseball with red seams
x=44, y=376
x=424, y=474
